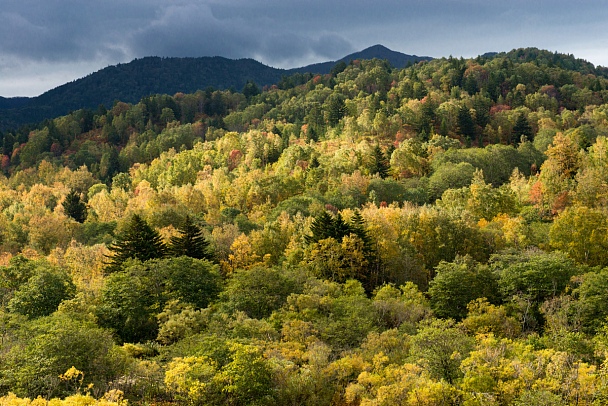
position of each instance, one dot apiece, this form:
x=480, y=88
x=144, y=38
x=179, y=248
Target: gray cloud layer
x=45, y=43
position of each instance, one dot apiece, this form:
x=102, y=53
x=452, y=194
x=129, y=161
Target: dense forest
x=433, y=235
x=130, y=82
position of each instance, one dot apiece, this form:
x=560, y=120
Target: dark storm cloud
x=42, y=39
x=228, y=29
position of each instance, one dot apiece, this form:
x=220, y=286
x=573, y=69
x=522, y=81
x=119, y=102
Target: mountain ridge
x=396, y=59
x=129, y=82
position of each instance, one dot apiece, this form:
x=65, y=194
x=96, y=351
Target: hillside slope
x=131, y=81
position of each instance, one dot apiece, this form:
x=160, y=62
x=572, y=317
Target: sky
x=46, y=43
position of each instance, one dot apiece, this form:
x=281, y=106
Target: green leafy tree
x=42, y=293
x=189, y=280
x=74, y=207
x=258, y=291
x=537, y=274
x=441, y=346
x=341, y=314
x=132, y=298
x=33, y=288
x=592, y=304
x=138, y=241
x=190, y=242
x=581, y=233
x=52, y=345
x=528, y=280
x=14, y=275
x=128, y=304
x=457, y=283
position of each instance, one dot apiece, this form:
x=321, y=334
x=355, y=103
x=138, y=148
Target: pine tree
x=325, y=226
x=340, y=228
x=74, y=207
x=138, y=241
x=336, y=109
x=357, y=227
x=522, y=128
x=190, y=242
x=465, y=123
x=380, y=164
x=322, y=227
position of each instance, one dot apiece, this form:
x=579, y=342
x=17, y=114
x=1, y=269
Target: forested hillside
x=433, y=235
x=129, y=82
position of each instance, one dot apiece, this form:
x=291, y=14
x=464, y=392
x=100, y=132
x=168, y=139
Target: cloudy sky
x=45, y=43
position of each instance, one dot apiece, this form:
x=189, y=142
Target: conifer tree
x=357, y=227
x=138, y=241
x=190, y=242
x=522, y=128
x=325, y=226
x=74, y=207
x=321, y=227
x=465, y=123
x=340, y=228
x=380, y=164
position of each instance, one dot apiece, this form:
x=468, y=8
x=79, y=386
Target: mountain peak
x=378, y=51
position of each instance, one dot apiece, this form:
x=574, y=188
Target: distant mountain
x=396, y=59
x=142, y=77
x=13, y=102
x=131, y=81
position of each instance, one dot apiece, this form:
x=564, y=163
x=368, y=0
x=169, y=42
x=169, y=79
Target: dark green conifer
x=138, y=241
x=74, y=207
x=465, y=123
x=357, y=227
x=336, y=109
x=522, y=128
x=250, y=89
x=322, y=227
x=190, y=242
x=380, y=165
x=340, y=228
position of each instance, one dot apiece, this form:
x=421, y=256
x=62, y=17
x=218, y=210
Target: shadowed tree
x=190, y=242
x=466, y=124
x=138, y=241
x=380, y=165
x=522, y=128
x=74, y=207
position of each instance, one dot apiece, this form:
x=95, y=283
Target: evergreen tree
x=74, y=207
x=190, y=242
x=322, y=227
x=325, y=226
x=336, y=109
x=250, y=89
x=522, y=128
x=380, y=164
x=465, y=123
x=357, y=227
x=138, y=241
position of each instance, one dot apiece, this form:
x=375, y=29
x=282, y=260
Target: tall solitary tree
x=190, y=242
x=138, y=241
